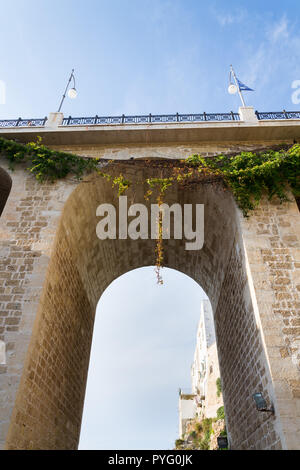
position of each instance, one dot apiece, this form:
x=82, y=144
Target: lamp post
x=232, y=89
x=72, y=93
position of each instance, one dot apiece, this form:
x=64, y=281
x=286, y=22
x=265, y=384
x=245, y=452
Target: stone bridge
x=54, y=269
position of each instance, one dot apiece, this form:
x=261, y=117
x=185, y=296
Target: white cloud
x=273, y=63
x=225, y=19
x=279, y=30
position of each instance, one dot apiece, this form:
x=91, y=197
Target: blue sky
x=143, y=346
x=141, y=56
x=135, y=57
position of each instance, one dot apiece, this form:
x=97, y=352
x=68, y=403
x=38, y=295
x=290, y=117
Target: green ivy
x=162, y=183
x=248, y=175
x=46, y=164
x=221, y=413
x=219, y=387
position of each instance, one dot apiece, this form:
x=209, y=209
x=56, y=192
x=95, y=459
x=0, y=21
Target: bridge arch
x=47, y=411
x=5, y=187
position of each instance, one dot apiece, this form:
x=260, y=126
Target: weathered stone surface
x=54, y=269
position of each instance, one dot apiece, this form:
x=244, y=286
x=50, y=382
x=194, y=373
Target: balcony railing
x=40, y=122
x=278, y=115
x=148, y=119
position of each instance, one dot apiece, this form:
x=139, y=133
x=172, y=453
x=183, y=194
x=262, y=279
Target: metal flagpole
x=237, y=85
x=64, y=95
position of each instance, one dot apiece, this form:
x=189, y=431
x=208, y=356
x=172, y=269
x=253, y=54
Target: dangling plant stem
x=159, y=250
x=162, y=185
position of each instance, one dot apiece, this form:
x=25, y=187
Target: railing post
x=247, y=114
x=69, y=119
x=150, y=117
x=204, y=114
x=177, y=117
x=44, y=121
x=232, y=115
x=285, y=114
x=123, y=118
x=18, y=121
x=96, y=118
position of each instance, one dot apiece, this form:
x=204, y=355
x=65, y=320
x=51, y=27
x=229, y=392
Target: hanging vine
x=162, y=184
x=248, y=175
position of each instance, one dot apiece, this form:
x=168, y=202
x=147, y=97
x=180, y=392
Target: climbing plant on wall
x=248, y=175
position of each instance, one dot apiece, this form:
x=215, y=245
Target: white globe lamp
x=232, y=89
x=72, y=93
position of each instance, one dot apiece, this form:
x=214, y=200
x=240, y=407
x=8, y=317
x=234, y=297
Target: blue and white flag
x=243, y=87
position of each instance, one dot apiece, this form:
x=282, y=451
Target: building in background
x=205, y=396
x=187, y=410
x=205, y=371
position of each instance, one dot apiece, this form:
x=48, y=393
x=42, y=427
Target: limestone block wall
x=271, y=238
x=27, y=230
x=243, y=362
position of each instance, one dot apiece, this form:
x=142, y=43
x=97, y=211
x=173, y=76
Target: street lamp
x=222, y=442
x=261, y=404
x=237, y=86
x=72, y=92
x=232, y=89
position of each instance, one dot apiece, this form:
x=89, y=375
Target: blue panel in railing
x=23, y=123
